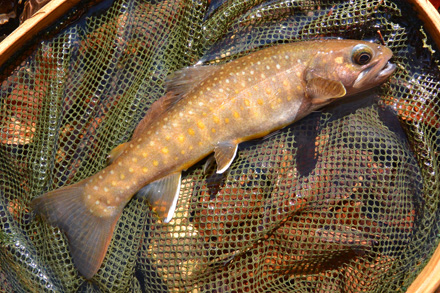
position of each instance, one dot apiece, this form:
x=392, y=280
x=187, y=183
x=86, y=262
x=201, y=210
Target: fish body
x=208, y=109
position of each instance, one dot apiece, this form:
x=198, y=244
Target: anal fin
x=163, y=195
x=224, y=154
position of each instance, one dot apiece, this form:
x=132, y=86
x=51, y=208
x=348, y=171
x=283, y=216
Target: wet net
x=344, y=200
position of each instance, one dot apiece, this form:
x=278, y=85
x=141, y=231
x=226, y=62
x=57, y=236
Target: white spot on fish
x=112, y=172
x=251, y=72
x=278, y=66
x=287, y=56
x=181, y=114
x=105, y=189
x=220, y=90
x=339, y=60
x=100, y=177
x=88, y=196
x=95, y=187
x=200, y=104
x=97, y=202
x=227, y=80
x=267, y=67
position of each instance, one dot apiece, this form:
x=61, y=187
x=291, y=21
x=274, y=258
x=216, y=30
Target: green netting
x=344, y=200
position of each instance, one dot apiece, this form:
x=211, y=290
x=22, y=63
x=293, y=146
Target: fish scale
x=208, y=109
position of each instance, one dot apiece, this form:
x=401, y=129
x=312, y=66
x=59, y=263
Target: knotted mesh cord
x=344, y=200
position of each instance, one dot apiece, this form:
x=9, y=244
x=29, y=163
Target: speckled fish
x=208, y=109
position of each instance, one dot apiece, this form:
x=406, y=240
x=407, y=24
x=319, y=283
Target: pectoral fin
x=321, y=90
x=163, y=194
x=224, y=154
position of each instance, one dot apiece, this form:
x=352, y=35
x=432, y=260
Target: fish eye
x=362, y=54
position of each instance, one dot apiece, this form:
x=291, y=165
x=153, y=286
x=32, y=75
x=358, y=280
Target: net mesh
x=344, y=200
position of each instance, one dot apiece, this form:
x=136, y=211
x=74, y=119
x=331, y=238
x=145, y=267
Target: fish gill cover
x=344, y=200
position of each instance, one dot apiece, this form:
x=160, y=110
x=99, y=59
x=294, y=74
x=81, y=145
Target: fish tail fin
x=88, y=234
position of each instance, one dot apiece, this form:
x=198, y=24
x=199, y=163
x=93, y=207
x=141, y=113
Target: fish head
x=357, y=65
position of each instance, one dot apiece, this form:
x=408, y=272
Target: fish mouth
x=374, y=75
x=387, y=70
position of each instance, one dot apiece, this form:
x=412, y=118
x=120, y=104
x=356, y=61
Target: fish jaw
x=375, y=74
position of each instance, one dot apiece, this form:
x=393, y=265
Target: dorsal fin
x=182, y=81
x=157, y=108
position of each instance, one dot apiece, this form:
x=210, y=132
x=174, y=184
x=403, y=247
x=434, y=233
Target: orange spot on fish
x=268, y=91
x=200, y=125
x=165, y=150
x=213, y=130
x=134, y=160
x=131, y=170
x=144, y=155
x=227, y=120
x=286, y=83
x=145, y=169
x=167, y=137
x=182, y=152
x=114, y=183
x=260, y=101
x=236, y=115
x=216, y=119
x=155, y=163
x=246, y=102
x=122, y=176
x=181, y=138
x=191, y=131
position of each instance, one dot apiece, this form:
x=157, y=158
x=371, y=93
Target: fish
x=207, y=109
